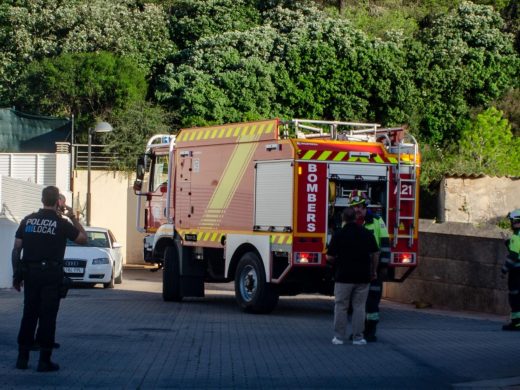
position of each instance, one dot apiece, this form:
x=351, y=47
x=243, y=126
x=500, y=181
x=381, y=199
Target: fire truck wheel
x=252, y=292
x=171, y=276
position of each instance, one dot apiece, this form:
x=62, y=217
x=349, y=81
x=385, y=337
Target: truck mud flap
x=192, y=286
x=191, y=275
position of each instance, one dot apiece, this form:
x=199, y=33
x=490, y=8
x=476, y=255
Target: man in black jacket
x=354, y=253
x=42, y=236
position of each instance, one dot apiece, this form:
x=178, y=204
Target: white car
x=99, y=261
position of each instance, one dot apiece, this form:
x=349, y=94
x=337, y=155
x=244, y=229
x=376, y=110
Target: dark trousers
x=513, y=284
x=374, y=298
x=41, y=304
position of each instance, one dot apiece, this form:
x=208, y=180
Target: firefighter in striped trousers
x=512, y=268
x=376, y=225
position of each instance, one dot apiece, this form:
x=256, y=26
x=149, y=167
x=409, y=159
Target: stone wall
x=459, y=269
x=477, y=199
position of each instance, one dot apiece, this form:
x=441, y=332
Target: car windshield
x=95, y=239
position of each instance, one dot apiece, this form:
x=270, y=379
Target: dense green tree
x=37, y=29
x=332, y=71
x=487, y=145
x=88, y=85
x=302, y=63
x=133, y=126
x=509, y=103
x=462, y=59
x=224, y=79
x=194, y=19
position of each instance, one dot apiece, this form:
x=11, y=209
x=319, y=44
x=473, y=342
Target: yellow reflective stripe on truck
x=216, y=236
x=223, y=132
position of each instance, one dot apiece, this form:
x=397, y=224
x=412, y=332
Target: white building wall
x=22, y=179
x=17, y=199
x=47, y=169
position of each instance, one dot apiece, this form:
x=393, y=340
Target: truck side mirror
x=139, y=172
x=138, y=185
x=140, y=168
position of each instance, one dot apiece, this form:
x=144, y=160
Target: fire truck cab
x=256, y=203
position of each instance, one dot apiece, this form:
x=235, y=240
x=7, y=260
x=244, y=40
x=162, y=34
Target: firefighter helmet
x=514, y=216
x=357, y=197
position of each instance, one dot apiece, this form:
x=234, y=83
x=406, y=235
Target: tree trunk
x=341, y=6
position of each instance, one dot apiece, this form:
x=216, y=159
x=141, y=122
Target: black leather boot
x=370, y=331
x=22, y=361
x=45, y=364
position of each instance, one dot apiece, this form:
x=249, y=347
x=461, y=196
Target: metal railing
x=101, y=157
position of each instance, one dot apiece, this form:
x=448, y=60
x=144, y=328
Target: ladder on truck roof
x=346, y=131
x=410, y=148
x=358, y=131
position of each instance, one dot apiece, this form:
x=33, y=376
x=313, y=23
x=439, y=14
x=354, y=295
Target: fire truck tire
x=252, y=292
x=171, y=276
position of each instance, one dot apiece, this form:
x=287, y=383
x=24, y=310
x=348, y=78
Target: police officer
x=42, y=237
x=358, y=200
x=512, y=267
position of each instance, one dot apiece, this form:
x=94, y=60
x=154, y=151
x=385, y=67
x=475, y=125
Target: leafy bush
x=192, y=20
x=487, y=145
x=134, y=125
x=33, y=30
x=87, y=85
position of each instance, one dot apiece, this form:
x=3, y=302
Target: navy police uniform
x=44, y=235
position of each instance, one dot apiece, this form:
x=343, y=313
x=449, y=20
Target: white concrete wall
x=8, y=229
x=113, y=205
x=63, y=172
x=478, y=200
x=17, y=199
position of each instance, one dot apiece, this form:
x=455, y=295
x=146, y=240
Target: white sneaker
x=337, y=341
x=359, y=342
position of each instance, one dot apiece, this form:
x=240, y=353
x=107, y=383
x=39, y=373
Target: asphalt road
x=129, y=338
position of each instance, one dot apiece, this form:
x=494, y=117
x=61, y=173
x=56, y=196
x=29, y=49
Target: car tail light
x=307, y=257
x=404, y=258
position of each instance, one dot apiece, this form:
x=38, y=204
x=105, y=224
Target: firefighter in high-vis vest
x=512, y=268
x=359, y=201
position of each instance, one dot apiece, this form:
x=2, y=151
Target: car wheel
x=171, y=276
x=110, y=284
x=252, y=292
x=119, y=278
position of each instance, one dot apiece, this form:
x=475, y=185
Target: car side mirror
x=116, y=245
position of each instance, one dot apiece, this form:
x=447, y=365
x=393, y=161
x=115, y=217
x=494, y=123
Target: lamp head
x=103, y=127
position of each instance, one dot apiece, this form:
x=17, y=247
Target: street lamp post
x=101, y=127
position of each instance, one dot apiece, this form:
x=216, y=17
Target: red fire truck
x=256, y=203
